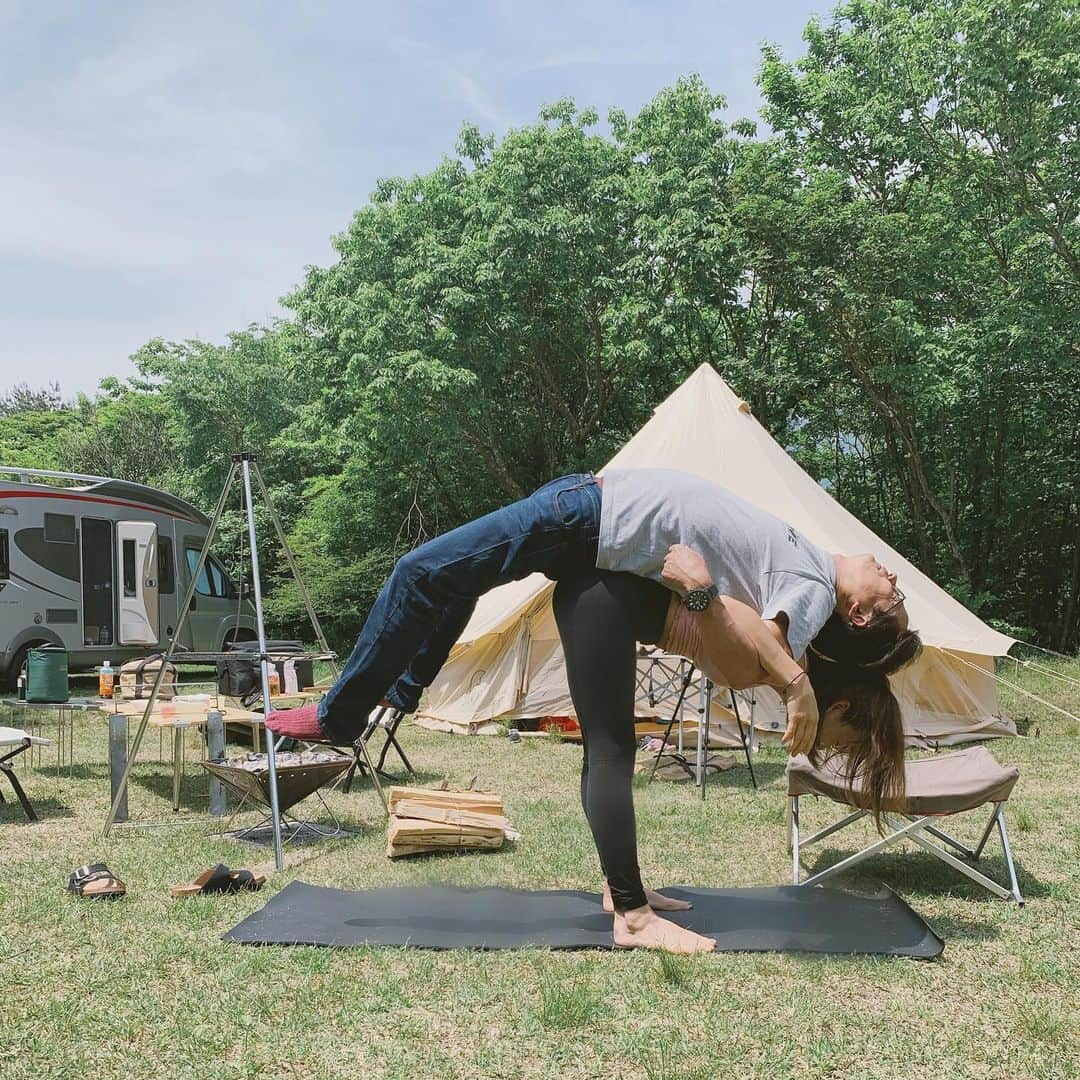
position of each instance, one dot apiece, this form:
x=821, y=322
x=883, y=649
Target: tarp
x=508, y=661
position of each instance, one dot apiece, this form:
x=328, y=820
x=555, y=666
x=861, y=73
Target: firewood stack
x=437, y=819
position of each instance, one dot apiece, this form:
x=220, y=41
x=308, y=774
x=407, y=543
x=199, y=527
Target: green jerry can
x=47, y=675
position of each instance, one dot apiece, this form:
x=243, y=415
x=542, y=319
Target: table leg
x=118, y=759
x=9, y=772
x=178, y=746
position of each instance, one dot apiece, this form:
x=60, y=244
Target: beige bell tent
x=508, y=662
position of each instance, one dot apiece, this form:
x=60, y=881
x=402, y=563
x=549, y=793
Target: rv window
x=130, y=585
x=60, y=528
x=5, y=558
x=211, y=580
x=166, y=574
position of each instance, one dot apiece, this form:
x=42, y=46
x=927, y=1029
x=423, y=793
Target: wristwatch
x=700, y=599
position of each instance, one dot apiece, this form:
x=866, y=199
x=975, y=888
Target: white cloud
x=170, y=169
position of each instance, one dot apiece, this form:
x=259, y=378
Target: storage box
x=137, y=679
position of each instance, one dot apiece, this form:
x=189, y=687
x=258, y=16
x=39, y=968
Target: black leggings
x=601, y=616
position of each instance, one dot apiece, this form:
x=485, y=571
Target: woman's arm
x=749, y=651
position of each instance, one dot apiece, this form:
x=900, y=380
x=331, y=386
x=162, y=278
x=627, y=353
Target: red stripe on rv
x=94, y=499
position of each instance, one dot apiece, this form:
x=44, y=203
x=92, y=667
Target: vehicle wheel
x=18, y=664
x=233, y=636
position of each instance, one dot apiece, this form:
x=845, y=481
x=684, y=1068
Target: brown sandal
x=96, y=881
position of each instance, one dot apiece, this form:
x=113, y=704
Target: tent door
x=136, y=572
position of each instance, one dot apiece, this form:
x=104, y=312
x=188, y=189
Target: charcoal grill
x=295, y=782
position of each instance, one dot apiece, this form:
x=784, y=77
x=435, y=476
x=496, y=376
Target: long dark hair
x=875, y=758
x=882, y=645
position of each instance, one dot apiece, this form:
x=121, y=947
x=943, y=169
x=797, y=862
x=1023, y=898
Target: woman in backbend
x=705, y=545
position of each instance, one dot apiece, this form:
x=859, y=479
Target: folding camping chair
x=21, y=741
x=384, y=719
x=675, y=682
x=936, y=787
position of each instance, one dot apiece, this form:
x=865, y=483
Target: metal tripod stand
x=246, y=465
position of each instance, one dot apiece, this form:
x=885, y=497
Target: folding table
x=20, y=741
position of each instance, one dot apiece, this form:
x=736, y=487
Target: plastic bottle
x=106, y=677
x=275, y=682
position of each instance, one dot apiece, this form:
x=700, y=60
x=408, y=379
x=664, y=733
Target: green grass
x=146, y=988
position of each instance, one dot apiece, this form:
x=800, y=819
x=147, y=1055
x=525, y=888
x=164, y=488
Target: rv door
x=136, y=551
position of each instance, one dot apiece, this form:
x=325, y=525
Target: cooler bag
x=47, y=675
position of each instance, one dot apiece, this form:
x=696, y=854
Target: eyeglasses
x=898, y=599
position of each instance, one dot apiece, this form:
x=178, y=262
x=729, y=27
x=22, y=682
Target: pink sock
x=302, y=723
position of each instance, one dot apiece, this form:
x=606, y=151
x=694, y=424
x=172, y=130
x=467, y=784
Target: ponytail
x=875, y=758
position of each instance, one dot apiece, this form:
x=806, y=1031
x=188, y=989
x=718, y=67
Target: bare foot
x=642, y=928
x=655, y=900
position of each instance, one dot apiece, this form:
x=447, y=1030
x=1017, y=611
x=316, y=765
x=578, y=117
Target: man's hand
x=684, y=569
x=802, y=714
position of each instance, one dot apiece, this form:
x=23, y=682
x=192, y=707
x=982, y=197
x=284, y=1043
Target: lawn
x=145, y=987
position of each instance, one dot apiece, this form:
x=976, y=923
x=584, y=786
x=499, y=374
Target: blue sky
x=170, y=169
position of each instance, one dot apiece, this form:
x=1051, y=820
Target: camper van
x=100, y=566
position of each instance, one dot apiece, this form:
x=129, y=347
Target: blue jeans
x=431, y=594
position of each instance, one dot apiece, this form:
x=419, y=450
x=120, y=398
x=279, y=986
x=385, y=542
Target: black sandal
x=219, y=879
x=96, y=882
x=245, y=879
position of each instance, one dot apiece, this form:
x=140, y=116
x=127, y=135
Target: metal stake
x=319, y=636
x=245, y=461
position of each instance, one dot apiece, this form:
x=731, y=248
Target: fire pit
x=298, y=776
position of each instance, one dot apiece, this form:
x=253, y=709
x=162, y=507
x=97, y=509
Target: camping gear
x=298, y=776
x=96, y=881
x=663, y=765
x=437, y=819
x=442, y=917
x=387, y=720
x=935, y=787
x=21, y=741
x=508, y=661
x=244, y=465
x=137, y=678
x=47, y=675
x=238, y=670
x=220, y=879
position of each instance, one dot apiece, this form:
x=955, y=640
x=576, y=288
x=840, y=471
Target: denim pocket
x=577, y=508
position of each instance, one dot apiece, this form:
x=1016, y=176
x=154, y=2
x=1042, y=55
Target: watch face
x=700, y=599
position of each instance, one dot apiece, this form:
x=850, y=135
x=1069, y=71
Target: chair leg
x=793, y=837
x=743, y=738
x=866, y=853
x=9, y=772
x=999, y=808
x=957, y=864
x=346, y=785
x=1000, y=816
x=391, y=740
x=955, y=844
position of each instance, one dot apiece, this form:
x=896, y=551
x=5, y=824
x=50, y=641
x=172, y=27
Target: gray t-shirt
x=751, y=555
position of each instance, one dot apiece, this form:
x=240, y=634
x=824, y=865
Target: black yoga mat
x=789, y=918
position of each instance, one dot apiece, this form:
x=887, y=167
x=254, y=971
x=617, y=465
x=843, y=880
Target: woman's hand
x=684, y=569
x=802, y=714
